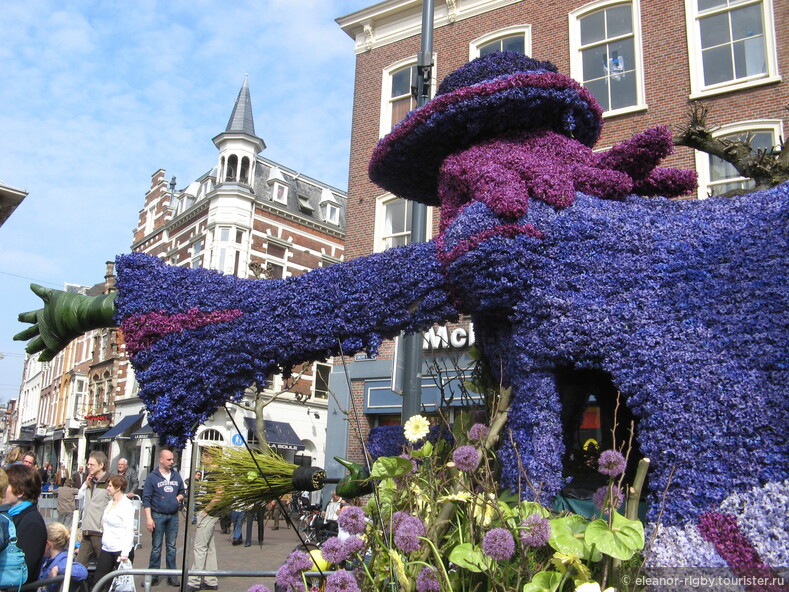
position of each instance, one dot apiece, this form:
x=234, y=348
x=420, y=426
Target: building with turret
x=248, y=216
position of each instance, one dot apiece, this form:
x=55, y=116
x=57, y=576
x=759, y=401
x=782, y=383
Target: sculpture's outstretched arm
x=65, y=316
x=198, y=338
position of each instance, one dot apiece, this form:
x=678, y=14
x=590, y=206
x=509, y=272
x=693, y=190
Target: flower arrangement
x=442, y=527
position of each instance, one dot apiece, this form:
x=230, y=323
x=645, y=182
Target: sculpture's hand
x=65, y=315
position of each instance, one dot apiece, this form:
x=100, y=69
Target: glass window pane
x=623, y=91
x=619, y=20
x=749, y=58
x=400, y=109
x=594, y=62
x=715, y=30
x=395, y=216
x=224, y=234
x=491, y=47
x=622, y=56
x=515, y=44
x=706, y=4
x=401, y=83
x=717, y=65
x=599, y=88
x=746, y=22
x=593, y=27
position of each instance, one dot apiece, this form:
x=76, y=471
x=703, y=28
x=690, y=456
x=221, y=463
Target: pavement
x=277, y=545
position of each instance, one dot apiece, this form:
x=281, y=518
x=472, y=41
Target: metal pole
x=412, y=344
x=190, y=496
x=72, y=543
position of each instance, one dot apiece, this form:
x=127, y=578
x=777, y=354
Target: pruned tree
x=766, y=168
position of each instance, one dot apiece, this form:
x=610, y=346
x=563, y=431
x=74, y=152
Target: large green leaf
x=544, y=581
x=529, y=508
x=568, y=535
x=621, y=540
x=470, y=556
x=390, y=466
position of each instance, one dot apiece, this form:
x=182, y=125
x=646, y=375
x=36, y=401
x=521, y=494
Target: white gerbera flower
x=416, y=428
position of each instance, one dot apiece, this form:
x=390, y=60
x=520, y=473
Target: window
x=393, y=223
x=716, y=176
x=232, y=166
x=322, y=372
x=279, y=193
x=244, y=174
x=732, y=44
x=197, y=253
x=517, y=39
x=398, y=93
x=331, y=213
x=211, y=435
x=330, y=209
x=79, y=394
x=228, y=244
x=606, y=54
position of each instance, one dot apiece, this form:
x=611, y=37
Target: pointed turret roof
x=241, y=120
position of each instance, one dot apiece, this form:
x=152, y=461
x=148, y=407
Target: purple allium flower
x=353, y=545
x=466, y=458
x=535, y=531
x=427, y=580
x=611, y=463
x=397, y=519
x=407, y=535
x=601, y=497
x=333, y=550
x=414, y=466
x=258, y=588
x=341, y=581
x=353, y=520
x=478, y=432
x=498, y=544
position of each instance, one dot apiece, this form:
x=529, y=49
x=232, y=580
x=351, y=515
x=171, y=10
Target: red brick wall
x=667, y=84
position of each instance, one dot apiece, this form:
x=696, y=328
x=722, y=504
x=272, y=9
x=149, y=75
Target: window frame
x=385, y=120
x=576, y=59
x=703, y=159
x=698, y=89
x=380, y=237
x=525, y=30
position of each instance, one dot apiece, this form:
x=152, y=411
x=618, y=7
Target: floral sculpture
x=561, y=261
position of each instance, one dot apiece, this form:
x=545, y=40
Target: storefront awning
x=143, y=433
x=120, y=428
x=279, y=434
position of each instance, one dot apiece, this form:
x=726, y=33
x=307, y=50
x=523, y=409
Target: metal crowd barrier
x=176, y=573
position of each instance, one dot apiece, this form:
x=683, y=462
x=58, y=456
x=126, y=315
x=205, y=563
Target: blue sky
x=95, y=96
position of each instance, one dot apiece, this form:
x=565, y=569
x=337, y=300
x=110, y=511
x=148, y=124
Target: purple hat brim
x=406, y=161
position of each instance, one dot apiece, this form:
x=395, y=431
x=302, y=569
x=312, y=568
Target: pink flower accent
x=142, y=331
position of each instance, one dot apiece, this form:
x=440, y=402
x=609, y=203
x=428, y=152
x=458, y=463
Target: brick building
x=645, y=62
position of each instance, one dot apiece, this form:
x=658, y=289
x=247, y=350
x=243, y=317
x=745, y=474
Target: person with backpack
x=21, y=499
x=13, y=568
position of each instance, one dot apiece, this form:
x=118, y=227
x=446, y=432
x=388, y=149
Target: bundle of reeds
x=234, y=481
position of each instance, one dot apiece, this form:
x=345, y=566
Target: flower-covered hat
x=491, y=96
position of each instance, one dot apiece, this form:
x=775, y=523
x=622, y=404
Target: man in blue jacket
x=162, y=494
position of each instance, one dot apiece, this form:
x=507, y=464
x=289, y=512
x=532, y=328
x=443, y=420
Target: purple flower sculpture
x=561, y=259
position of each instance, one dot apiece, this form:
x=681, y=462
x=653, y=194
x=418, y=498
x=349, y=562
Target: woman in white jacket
x=117, y=541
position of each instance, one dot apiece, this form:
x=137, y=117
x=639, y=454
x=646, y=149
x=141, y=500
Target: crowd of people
x=106, y=533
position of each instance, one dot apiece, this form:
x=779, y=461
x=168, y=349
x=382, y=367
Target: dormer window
x=304, y=204
x=330, y=208
x=279, y=193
